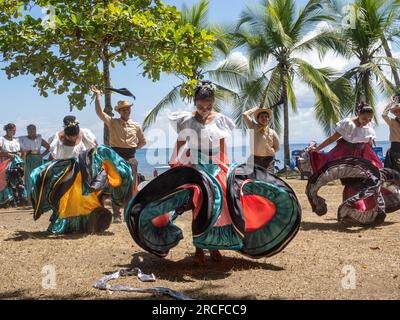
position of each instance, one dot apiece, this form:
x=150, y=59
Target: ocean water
x=149, y=159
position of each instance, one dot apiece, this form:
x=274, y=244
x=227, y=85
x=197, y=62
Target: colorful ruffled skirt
x=234, y=207
x=12, y=189
x=73, y=188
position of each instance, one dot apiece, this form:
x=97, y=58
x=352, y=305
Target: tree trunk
x=107, y=93
x=366, y=87
x=389, y=55
x=286, y=126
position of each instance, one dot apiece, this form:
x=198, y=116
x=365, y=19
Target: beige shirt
x=394, y=126
x=124, y=134
x=265, y=142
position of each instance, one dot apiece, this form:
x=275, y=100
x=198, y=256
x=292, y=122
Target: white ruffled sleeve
x=371, y=133
x=228, y=123
x=224, y=127
x=178, y=118
x=89, y=139
x=179, y=121
x=345, y=127
x=53, y=142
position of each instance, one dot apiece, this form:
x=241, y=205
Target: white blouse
x=60, y=151
x=198, y=135
x=9, y=146
x=28, y=144
x=353, y=134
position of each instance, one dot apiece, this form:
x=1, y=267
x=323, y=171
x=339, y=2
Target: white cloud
x=235, y=56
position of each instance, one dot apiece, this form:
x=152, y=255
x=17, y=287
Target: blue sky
x=22, y=104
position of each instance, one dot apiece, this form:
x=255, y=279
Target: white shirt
x=198, y=135
x=29, y=144
x=353, y=134
x=9, y=146
x=60, y=151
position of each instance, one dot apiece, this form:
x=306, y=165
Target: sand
x=324, y=261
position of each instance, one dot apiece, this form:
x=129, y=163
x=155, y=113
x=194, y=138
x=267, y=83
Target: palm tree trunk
x=389, y=55
x=107, y=93
x=366, y=87
x=286, y=126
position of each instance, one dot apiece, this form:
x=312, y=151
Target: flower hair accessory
x=72, y=124
x=206, y=84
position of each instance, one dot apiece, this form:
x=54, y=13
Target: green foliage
x=67, y=53
x=223, y=76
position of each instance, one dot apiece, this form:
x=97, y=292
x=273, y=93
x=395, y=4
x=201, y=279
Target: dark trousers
x=129, y=156
x=267, y=163
x=392, y=159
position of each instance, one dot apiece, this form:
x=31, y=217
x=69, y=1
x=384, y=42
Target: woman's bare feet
x=215, y=255
x=199, y=257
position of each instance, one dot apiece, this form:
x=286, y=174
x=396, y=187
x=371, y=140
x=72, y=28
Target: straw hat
x=122, y=104
x=262, y=110
x=395, y=107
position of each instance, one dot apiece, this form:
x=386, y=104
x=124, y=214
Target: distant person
x=354, y=137
x=155, y=173
x=12, y=189
x=392, y=159
x=71, y=141
x=30, y=147
x=265, y=142
x=126, y=136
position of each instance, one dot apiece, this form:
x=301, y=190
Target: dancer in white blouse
x=354, y=137
x=71, y=141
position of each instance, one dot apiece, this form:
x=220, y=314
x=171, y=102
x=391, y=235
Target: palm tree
x=391, y=34
x=274, y=30
x=370, y=21
x=226, y=76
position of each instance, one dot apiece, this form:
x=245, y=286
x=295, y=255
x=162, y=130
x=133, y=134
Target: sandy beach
x=313, y=266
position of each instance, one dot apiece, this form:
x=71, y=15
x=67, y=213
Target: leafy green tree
x=227, y=76
x=83, y=40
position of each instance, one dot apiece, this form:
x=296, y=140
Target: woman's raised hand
x=95, y=90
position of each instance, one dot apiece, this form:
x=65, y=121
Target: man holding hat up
x=125, y=137
x=392, y=159
x=265, y=140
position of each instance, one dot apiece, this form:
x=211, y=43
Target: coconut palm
x=275, y=31
x=391, y=35
x=226, y=76
x=369, y=24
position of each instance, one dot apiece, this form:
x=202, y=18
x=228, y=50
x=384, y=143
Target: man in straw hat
x=264, y=141
x=125, y=137
x=392, y=159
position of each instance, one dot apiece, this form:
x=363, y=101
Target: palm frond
x=324, y=41
x=250, y=95
x=169, y=100
x=196, y=15
x=273, y=90
x=315, y=79
x=327, y=113
x=232, y=73
x=313, y=12
x=276, y=122
x=223, y=96
x=290, y=92
x=225, y=41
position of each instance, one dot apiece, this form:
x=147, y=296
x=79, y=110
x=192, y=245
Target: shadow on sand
x=185, y=270
x=339, y=227
x=45, y=235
